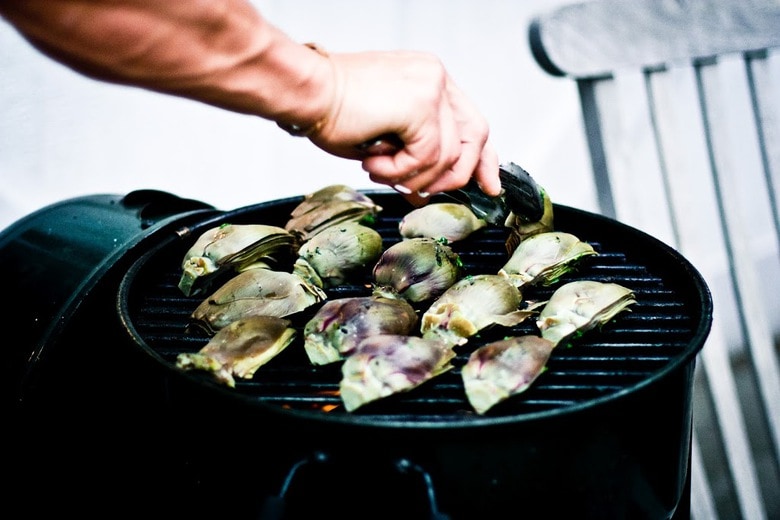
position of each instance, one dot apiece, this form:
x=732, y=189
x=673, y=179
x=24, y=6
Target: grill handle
x=273, y=507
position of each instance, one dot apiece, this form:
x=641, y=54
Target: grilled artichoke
x=520, y=229
x=339, y=251
x=232, y=245
x=499, y=370
x=472, y=304
x=418, y=268
x=449, y=220
x=240, y=348
x=577, y=307
x=339, y=325
x=389, y=364
x=258, y=291
x=545, y=257
x=329, y=206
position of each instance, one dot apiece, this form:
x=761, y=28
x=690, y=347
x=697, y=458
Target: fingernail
x=423, y=194
x=400, y=188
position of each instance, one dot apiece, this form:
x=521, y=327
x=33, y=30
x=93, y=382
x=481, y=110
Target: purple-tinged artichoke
x=542, y=259
x=232, y=245
x=577, y=307
x=329, y=206
x=472, y=304
x=340, y=251
x=339, y=325
x=240, y=348
x=448, y=220
x=499, y=370
x=257, y=291
x=418, y=268
x=389, y=364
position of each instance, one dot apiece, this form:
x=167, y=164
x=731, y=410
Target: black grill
x=664, y=329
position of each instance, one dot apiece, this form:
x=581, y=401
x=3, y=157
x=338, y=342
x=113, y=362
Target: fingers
x=450, y=150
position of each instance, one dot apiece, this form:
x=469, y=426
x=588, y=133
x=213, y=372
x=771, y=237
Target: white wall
x=63, y=135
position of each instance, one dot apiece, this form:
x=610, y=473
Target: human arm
x=224, y=53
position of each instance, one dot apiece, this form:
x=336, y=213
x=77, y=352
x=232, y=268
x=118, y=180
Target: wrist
x=301, y=93
x=302, y=128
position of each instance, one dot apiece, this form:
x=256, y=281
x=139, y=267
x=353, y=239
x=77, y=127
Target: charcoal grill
x=603, y=433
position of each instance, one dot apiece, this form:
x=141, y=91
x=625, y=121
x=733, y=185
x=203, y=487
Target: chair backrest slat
x=681, y=108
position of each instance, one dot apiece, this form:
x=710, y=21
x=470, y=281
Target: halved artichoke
x=577, y=307
x=389, y=364
x=339, y=251
x=543, y=258
x=257, y=291
x=449, y=220
x=472, y=304
x=339, y=325
x=240, y=348
x=418, y=268
x=499, y=370
x=232, y=245
x=328, y=206
x=521, y=229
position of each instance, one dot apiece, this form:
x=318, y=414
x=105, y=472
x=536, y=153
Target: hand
x=410, y=95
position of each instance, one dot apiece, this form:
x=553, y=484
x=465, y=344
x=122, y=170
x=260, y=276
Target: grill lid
x=664, y=330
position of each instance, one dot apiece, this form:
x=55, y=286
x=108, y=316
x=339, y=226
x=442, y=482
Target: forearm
x=220, y=52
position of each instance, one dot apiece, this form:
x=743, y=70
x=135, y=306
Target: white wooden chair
x=681, y=110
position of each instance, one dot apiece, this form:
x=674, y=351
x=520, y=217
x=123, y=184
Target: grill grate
x=659, y=330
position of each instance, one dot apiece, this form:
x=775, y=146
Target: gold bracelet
x=306, y=131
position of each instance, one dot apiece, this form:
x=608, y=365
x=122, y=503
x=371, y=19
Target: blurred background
x=63, y=135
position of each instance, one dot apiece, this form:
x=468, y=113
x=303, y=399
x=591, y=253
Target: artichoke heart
x=418, y=268
x=390, y=364
x=339, y=325
x=520, y=229
x=472, y=304
x=253, y=292
x=240, y=348
x=330, y=206
x=449, y=220
x=577, y=307
x=339, y=251
x=543, y=258
x=499, y=370
x=232, y=245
